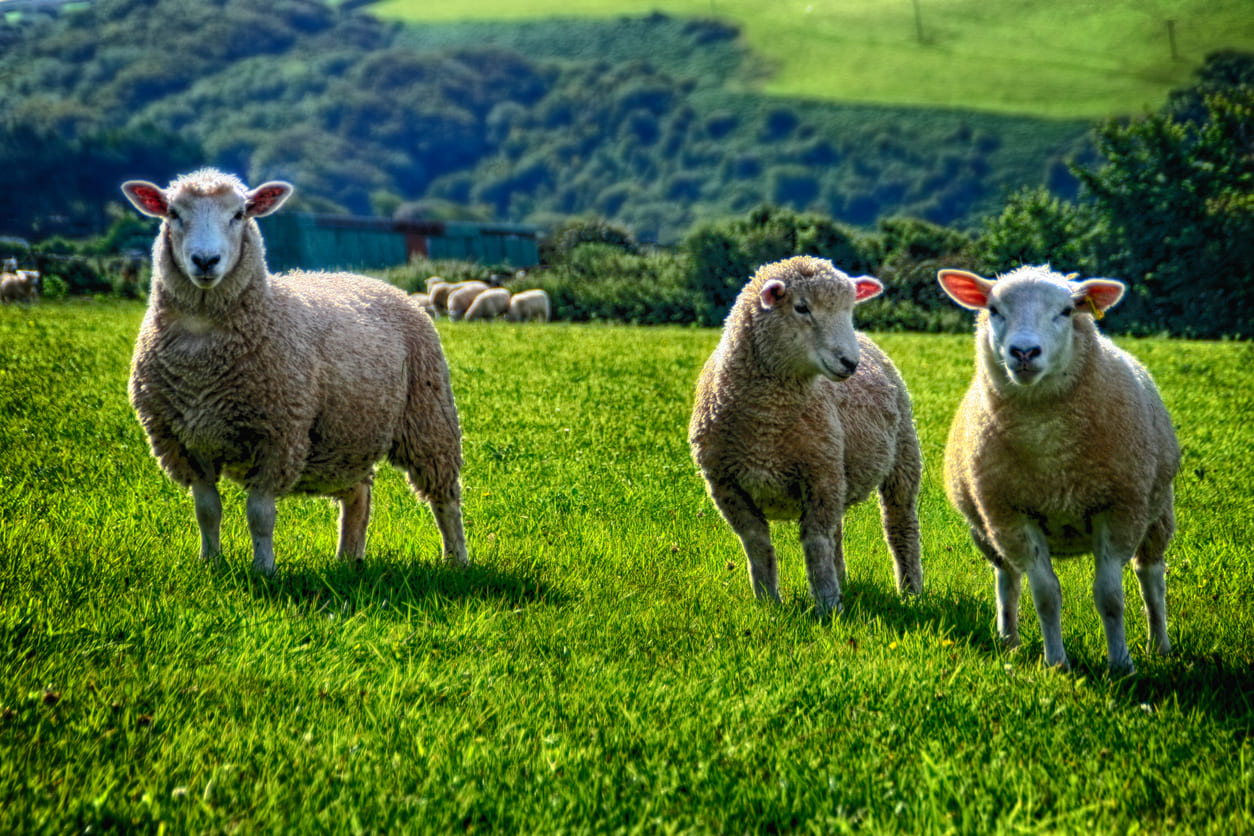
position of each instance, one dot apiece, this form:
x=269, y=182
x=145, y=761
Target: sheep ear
x=267, y=198
x=1096, y=295
x=967, y=289
x=147, y=198
x=772, y=292
x=866, y=287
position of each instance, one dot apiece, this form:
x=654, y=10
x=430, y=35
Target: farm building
x=318, y=241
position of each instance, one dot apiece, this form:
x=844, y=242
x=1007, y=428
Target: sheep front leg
x=1030, y=553
x=1008, y=591
x=209, y=518
x=354, y=518
x=260, y=511
x=816, y=542
x=754, y=532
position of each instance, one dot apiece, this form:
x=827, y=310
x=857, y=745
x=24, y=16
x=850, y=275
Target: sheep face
x=806, y=317
x=205, y=215
x=1029, y=316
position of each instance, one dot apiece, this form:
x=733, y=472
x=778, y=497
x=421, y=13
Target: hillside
x=1067, y=59
x=491, y=120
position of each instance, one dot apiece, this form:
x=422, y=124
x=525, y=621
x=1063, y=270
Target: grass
x=1056, y=58
x=602, y=666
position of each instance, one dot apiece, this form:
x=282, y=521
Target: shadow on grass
x=392, y=582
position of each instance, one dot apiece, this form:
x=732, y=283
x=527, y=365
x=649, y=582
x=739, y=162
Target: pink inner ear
x=149, y=198
x=967, y=289
x=264, y=199
x=868, y=287
x=1103, y=294
x=772, y=292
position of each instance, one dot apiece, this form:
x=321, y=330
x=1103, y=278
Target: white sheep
x=489, y=304
x=1061, y=446
x=22, y=286
x=295, y=383
x=799, y=416
x=462, y=296
x=528, y=305
x=432, y=281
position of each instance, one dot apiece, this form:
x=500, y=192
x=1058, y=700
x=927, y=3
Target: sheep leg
x=260, y=512
x=354, y=517
x=901, y=530
x=209, y=518
x=816, y=542
x=1151, y=574
x=754, y=532
x=448, y=516
x=1046, y=594
x=838, y=553
x=1108, y=597
x=1009, y=587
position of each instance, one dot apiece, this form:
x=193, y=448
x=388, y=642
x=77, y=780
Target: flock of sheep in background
x=1061, y=445
x=476, y=301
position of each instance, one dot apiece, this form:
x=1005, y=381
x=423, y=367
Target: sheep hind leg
x=448, y=516
x=260, y=511
x=1108, y=598
x=901, y=531
x=1151, y=574
x=209, y=519
x=354, y=519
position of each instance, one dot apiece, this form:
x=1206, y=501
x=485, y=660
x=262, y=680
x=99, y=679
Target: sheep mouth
x=832, y=373
x=1025, y=375
x=204, y=281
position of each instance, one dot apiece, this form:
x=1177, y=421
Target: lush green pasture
x=1059, y=58
x=602, y=666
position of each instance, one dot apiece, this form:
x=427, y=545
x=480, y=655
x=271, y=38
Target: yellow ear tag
x=1097, y=312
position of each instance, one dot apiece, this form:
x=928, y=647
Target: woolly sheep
x=489, y=304
x=439, y=295
x=1061, y=446
x=798, y=416
x=461, y=298
x=529, y=305
x=22, y=286
x=9, y=265
x=295, y=383
x=432, y=281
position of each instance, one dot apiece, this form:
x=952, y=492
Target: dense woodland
x=617, y=136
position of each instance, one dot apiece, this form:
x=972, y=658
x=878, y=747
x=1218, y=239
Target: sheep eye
x=801, y=308
x=172, y=215
x=239, y=216
x=992, y=311
x=1067, y=312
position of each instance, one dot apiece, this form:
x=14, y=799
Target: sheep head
x=204, y=217
x=1029, y=316
x=803, y=324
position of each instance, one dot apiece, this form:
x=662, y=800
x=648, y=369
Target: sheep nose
x=1023, y=354
x=851, y=366
x=204, y=262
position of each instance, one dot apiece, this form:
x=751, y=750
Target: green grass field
x=1055, y=58
x=602, y=667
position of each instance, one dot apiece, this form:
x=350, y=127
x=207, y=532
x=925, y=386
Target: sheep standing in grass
x=295, y=383
x=1061, y=446
x=798, y=416
x=528, y=305
x=462, y=297
x=489, y=304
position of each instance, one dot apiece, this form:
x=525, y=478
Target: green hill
x=1054, y=58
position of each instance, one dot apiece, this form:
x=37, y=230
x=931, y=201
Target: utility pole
x=1171, y=38
x=918, y=20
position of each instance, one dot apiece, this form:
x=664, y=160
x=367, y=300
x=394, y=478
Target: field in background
x=603, y=665
x=1055, y=58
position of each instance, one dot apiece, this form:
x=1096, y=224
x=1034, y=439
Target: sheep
x=799, y=416
x=489, y=304
x=432, y=281
x=461, y=298
x=1061, y=446
x=529, y=305
x=9, y=265
x=22, y=286
x=439, y=293
x=294, y=383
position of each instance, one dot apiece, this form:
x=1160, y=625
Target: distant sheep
x=1061, y=446
x=423, y=301
x=529, y=305
x=489, y=304
x=22, y=286
x=439, y=295
x=433, y=280
x=798, y=416
x=462, y=297
x=287, y=384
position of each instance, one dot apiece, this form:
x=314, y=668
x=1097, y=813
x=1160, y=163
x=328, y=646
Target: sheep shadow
x=395, y=584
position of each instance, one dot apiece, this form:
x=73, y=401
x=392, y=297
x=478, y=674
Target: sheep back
x=489, y=304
